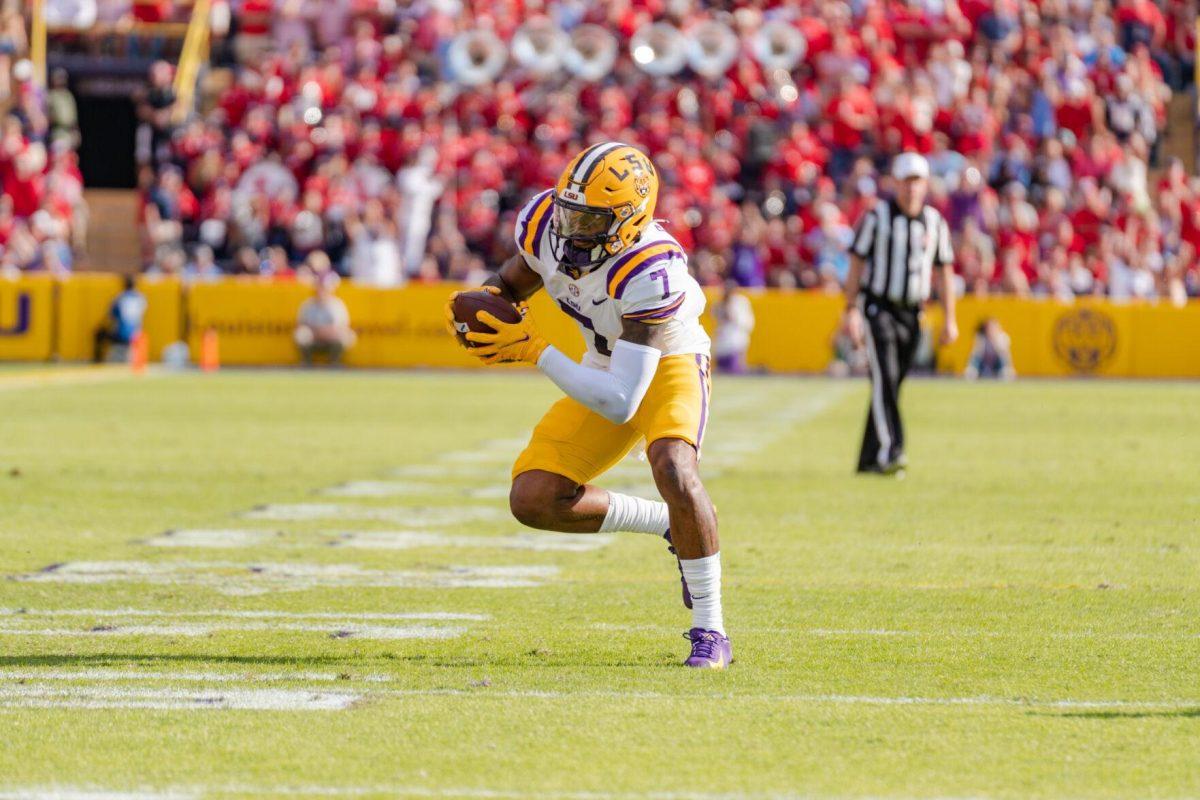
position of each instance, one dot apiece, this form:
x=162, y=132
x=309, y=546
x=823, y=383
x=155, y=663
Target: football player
x=592, y=243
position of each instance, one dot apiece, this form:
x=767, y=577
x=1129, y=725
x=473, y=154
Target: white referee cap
x=910, y=165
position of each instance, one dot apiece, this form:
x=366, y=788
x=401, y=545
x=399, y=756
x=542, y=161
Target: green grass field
x=287, y=584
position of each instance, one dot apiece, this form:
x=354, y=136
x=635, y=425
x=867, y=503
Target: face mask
x=578, y=235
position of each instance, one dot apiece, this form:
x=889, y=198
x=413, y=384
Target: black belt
x=890, y=305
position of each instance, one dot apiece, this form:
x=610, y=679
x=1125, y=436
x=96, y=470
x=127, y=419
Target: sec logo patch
x=573, y=289
x=1085, y=339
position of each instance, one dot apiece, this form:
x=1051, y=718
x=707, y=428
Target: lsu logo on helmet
x=602, y=202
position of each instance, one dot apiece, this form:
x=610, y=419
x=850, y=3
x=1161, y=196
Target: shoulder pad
x=641, y=261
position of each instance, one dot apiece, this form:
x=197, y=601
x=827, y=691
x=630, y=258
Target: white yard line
x=410, y=790
x=215, y=537
x=241, y=614
x=380, y=540
x=186, y=629
x=383, y=790
x=33, y=695
x=513, y=444
x=475, y=489
x=423, y=516
x=38, y=690
x=475, y=472
x=404, y=790
x=234, y=578
x=389, y=489
x=761, y=431
x=187, y=676
x=538, y=542
x=73, y=793
x=446, y=471
x=495, y=491
x=483, y=793
x=477, y=457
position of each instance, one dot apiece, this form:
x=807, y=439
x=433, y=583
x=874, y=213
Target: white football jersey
x=649, y=281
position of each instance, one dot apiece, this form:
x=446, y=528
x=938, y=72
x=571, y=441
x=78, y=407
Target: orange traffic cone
x=210, y=350
x=139, y=352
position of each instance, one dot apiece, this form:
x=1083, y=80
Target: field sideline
x=258, y=584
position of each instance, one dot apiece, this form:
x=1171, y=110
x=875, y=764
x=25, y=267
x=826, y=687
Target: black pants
x=100, y=342
x=893, y=333
x=331, y=350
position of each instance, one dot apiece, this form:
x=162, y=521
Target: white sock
x=627, y=513
x=704, y=584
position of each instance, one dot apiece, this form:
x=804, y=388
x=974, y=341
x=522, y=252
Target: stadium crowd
x=43, y=218
x=346, y=141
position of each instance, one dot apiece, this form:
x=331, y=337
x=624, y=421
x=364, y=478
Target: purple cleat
x=710, y=650
x=687, y=596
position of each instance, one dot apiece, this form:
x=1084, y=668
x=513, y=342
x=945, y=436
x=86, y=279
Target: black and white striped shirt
x=900, y=252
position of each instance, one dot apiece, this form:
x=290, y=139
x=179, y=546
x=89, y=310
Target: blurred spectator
x=850, y=359
x=155, y=109
x=43, y=216
x=323, y=328
x=828, y=245
x=14, y=44
x=61, y=110
x=734, y=317
x=420, y=188
x=78, y=14
x=202, y=266
x=170, y=260
x=171, y=206
x=991, y=355
x=123, y=323
x=374, y=248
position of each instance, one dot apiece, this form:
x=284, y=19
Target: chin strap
x=575, y=273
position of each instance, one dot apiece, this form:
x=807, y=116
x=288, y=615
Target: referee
x=896, y=246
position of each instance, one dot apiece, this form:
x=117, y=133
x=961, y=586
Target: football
x=468, y=304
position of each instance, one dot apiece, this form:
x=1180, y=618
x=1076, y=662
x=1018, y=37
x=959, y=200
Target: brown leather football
x=468, y=304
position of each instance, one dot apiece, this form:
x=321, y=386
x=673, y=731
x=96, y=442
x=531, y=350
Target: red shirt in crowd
x=851, y=113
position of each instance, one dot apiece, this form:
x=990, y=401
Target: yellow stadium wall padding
x=27, y=311
x=407, y=328
x=396, y=327
x=253, y=320
x=84, y=300
x=41, y=317
x=1090, y=337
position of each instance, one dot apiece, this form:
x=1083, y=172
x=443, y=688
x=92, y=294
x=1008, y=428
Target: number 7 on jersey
x=662, y=273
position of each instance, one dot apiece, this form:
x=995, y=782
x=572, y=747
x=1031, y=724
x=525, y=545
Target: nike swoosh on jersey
x=601, y=301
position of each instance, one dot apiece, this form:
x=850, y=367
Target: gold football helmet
x=602, y=203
